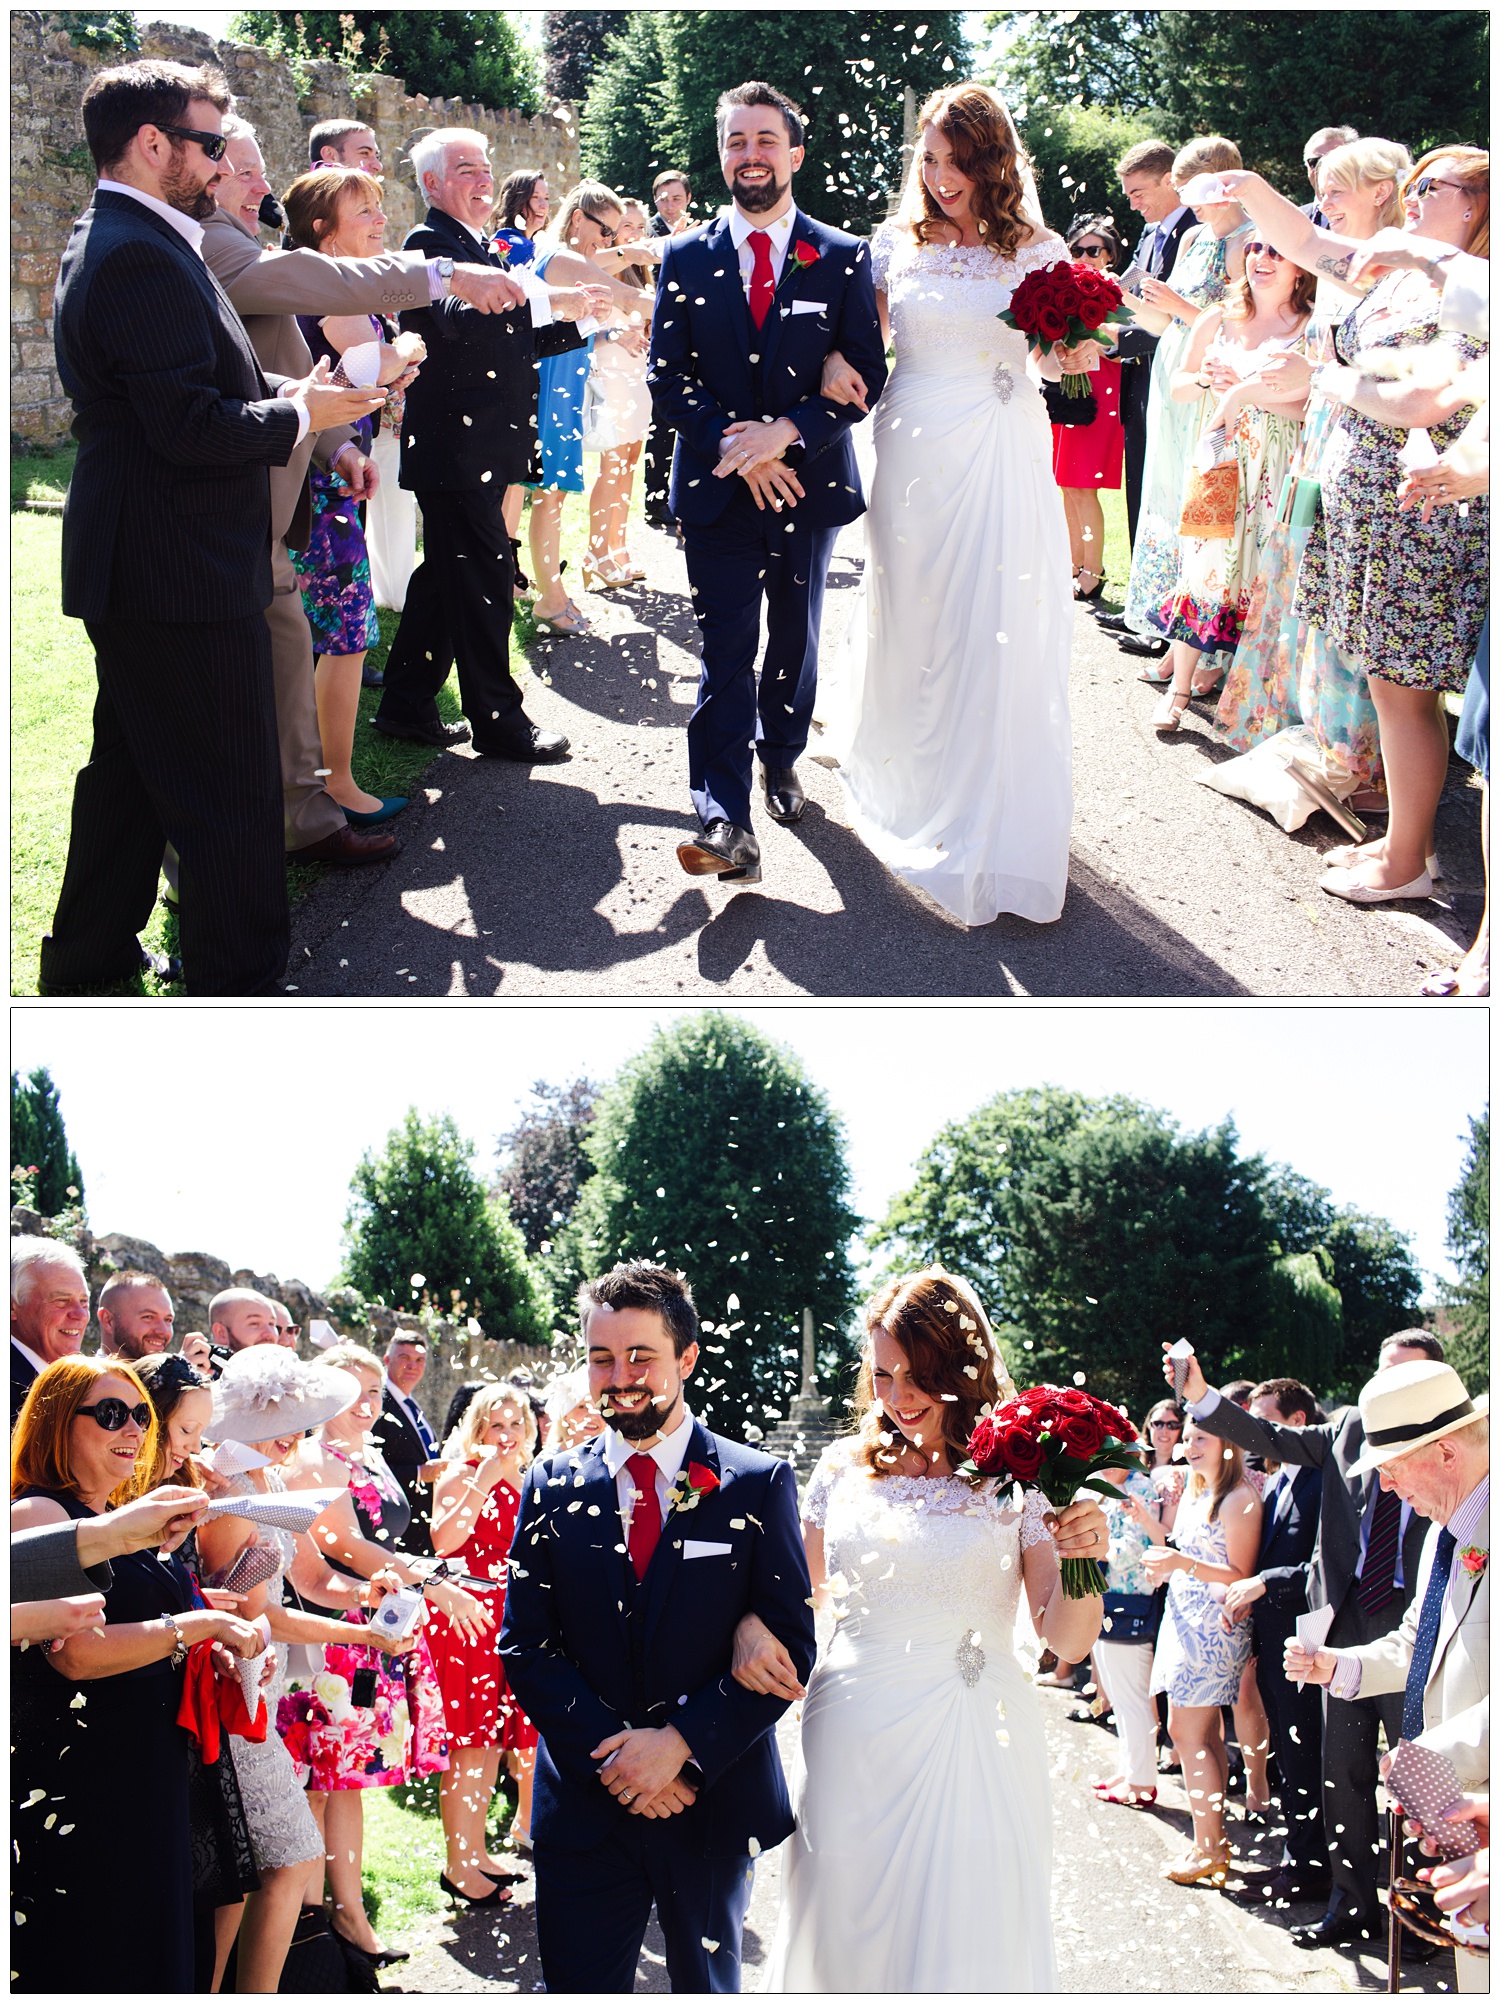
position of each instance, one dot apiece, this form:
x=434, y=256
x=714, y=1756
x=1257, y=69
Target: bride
x=949, y=720
x=922, y=1858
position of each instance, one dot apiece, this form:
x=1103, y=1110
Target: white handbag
x=600, y=432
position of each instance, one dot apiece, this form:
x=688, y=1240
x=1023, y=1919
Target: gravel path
x=563, y=880
x=1119, y=1926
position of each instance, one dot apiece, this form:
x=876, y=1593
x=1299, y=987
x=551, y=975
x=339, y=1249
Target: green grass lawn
x=52, y=697
x=404, y=1854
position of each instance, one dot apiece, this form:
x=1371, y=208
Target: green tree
x=847, y=72
x=39, y=1145
x=573, y=39
x=473, y=53
x=1468, y=1297
x=544, y=1165
x=716, y=1155
x=1094, y=1230
x=1105, y=57
x=1074, y=150
x=623, y=112
x=420, y=1229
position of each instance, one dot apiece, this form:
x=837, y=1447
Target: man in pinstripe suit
x=166, y=554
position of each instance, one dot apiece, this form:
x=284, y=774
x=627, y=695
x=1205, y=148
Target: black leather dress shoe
x=371, y=678
x=785, y=800
x=1132, y=643
x=530, y=745
x=348, y=847
x=723, y=850
x=444, y=736
x=1335, y=1930
x=1266, y=1888
x=1111, y=622
x=165, y=966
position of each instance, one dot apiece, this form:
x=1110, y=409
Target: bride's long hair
x=945, y=1335
x=987, y=151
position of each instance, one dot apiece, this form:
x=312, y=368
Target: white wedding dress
x=922, y=1858
x=948, y=715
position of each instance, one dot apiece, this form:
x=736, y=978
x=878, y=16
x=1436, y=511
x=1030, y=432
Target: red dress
x=1093, y=455
x=478, y=1704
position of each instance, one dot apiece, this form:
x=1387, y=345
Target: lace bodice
x=909, y=1548
x=944, y=301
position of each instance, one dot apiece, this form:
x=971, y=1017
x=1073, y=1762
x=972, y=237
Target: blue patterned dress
x=1171, y=433
x=334, y=569
x=559, y=413
x=1196, y=1662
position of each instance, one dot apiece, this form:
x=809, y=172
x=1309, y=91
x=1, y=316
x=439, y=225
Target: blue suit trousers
x=592, y=1908
x=748, y=555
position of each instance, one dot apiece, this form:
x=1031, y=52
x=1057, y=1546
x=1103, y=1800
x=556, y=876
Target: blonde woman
x=473, y=1521
x=1200, y=1660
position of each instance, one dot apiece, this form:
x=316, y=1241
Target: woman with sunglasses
x=94, y=1722
x=1285, y=672
x=1406, y=599
x=1264, y=313
x=1088, y=458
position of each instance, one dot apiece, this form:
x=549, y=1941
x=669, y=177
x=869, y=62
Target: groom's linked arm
x=722, y=1720
x=678, y=398
x=565, y=1709
x=857, y=337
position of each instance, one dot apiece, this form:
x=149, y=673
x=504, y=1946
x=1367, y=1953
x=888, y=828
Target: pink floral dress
x=399, y=1737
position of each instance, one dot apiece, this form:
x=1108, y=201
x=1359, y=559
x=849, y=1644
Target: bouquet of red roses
x=1061, y=306
x=1055, y=1438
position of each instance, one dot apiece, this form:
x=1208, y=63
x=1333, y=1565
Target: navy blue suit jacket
x=589, y=1651
x=168, y=514
x=710, y=367
x=1286, y=1549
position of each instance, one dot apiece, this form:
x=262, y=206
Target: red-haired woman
x=924, y=1843
x=94, y=1722
x=951, y=727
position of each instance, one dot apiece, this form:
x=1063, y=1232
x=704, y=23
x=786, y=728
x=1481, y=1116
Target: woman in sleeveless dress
x=922, y=1858
x=474, y=1510
x=951, y=727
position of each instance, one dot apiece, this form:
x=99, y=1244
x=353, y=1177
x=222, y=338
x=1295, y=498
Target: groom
x=764, y=477
x=635, y=1558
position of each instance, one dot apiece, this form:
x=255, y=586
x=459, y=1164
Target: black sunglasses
x=113, y=1414
x=1092, y=250
x=1166, y=1426
x=1263, y=250
x=213, y=143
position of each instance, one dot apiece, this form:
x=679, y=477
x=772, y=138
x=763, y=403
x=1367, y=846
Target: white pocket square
x=704, y=1548
x=809, y=306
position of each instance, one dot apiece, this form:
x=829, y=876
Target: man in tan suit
x=268, y=288
x=1430, y=1442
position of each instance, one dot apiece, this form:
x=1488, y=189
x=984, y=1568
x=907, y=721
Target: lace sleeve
x=1033, y=1516
x=820, y=1485
x=882, y=244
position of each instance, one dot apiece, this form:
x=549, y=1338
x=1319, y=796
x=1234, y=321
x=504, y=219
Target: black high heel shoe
x=497, y=1896
x=1087, y=597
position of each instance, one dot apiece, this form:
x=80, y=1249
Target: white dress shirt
x=185, y=227
x=410, y=1407
x=780, y=233
x=669, y=1454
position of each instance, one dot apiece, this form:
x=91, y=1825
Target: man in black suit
x=671, y=194
x=1272, y=1597
x=166, y=554
x=470, y=425
x=1364, y=1566
x=49, y=1310
x=403, y=1435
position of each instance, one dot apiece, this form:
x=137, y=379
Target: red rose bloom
x=700, y=1478
x=1081, y=1434
x=1023, y=1454
x=1052, y=325
x=1093, y=313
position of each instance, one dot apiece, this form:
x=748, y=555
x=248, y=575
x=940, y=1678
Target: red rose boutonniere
x=692, y=1485
x=1473, y=1560
x=805, y=254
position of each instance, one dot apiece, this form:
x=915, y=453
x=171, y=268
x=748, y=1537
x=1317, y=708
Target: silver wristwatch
x=179, y=1648
x=445, y=271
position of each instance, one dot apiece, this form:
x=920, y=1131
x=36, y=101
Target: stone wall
x=193, y=1279
x=52, y=176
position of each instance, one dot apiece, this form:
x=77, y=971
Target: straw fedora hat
x=266, y=1392
x=1411, y=1405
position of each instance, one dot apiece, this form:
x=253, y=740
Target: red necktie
x=645, y=1518
x=762, y=280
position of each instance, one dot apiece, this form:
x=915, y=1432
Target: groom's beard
x=180, y=191
x=756, y=197
x=645, y=1424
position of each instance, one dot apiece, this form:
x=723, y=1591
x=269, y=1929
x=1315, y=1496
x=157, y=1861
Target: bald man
x=239, y=1318
x=135, y=1317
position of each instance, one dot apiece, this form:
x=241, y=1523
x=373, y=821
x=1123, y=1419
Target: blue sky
x=234, y=1130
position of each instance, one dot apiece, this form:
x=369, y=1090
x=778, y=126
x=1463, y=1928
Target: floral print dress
x=1284, y=671
x=334, y=569
x=1196, y=1663
x=401, y=1736
x=1408, y=600
x=1172, y=428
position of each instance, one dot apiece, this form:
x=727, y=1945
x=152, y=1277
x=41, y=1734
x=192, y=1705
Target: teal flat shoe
x=382, y=813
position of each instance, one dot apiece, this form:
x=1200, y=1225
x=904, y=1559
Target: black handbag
x=1130, y=1617
x=1069, y=410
